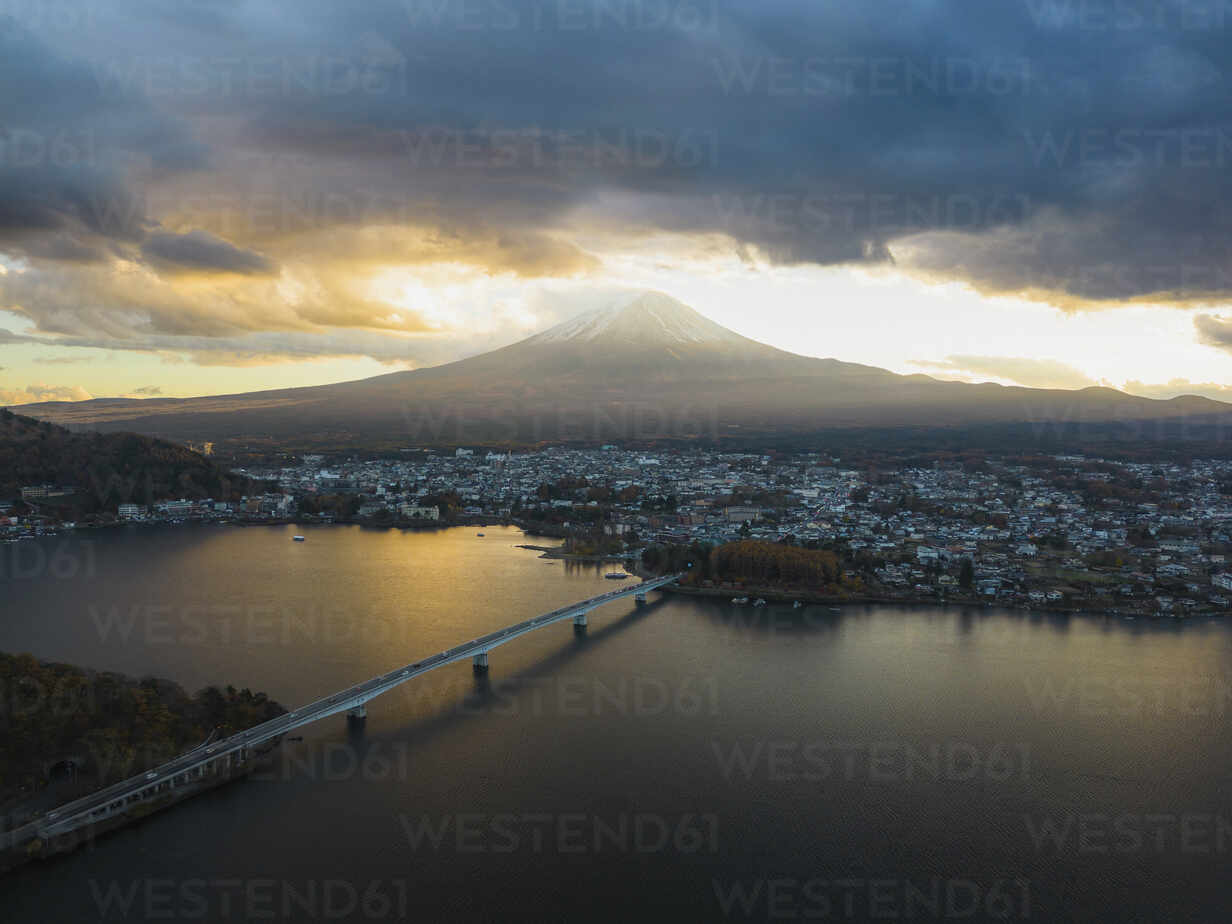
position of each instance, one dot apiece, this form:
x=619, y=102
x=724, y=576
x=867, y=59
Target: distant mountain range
x=645, y=368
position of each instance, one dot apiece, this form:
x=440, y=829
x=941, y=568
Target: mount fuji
x=645, y=367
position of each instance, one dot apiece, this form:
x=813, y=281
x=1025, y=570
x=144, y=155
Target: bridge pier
x=640, y=599
x=580, y=619
x=359, y=712
x=480, y=663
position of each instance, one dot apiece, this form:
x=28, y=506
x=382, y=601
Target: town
x=1063, y=532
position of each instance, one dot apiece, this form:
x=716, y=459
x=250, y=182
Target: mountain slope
x=106, y=469
x=644, y=368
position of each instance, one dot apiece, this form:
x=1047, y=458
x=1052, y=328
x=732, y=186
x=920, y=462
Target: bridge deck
x=116, y=797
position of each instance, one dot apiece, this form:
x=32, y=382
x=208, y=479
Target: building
x=415, y=512
x=131, y=511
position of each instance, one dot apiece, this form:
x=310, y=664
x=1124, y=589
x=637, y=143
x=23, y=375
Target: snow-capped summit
x=644, y=318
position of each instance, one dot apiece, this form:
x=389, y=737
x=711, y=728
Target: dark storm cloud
x=66, y=147
x=200, y=251
x=63, y=247
x=1081, y=149
x=1094, y=137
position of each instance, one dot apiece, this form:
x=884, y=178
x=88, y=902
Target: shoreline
x=555, y=553
x=425, y=525
x=806, y=598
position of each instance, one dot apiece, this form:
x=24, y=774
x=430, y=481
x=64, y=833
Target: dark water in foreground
x=686, y=761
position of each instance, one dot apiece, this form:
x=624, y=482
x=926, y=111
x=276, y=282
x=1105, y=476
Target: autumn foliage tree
x=770, y=563
x=110, y=726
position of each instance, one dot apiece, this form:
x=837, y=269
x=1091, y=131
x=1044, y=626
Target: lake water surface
x=689, y=760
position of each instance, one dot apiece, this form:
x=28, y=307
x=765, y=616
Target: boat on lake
x=297, y=538
x=616, y=575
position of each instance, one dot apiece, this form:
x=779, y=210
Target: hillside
x=108, y=725
x=647, y=368
x=106, y=469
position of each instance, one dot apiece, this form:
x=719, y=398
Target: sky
x=218, y=196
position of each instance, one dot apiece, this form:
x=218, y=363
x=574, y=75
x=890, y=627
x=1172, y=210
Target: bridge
x=220, y=760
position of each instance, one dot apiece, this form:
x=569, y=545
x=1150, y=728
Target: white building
x=415, y=512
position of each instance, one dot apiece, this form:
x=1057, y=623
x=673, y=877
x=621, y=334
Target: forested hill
x=107, y=469
x=108, y=725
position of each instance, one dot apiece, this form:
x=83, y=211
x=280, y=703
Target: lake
x=689, y=759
